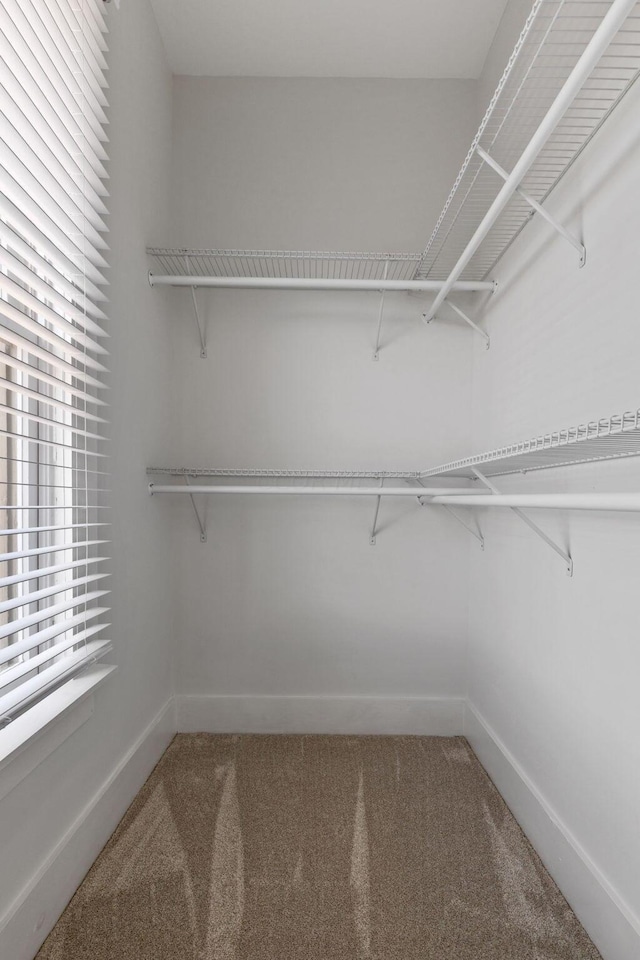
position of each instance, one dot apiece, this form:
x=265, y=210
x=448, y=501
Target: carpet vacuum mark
x=318, y=848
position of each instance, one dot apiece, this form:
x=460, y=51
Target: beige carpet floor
x=318, y=848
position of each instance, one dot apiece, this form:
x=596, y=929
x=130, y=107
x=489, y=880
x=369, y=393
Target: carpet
x=318, y=848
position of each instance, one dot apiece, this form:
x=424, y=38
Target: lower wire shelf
x=318, y=483
x=611, y=438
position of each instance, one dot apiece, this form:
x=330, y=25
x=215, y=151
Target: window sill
x=29, y=739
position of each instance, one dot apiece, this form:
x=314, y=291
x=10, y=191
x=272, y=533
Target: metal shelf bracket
x=374, y=525
x=532, y=526
x=376, y=351
x=201, y=523
x=475, y=532
x=202, y=330
x=537, y=207
x=426, y=319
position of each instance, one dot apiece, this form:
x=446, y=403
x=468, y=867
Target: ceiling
x=328, y=38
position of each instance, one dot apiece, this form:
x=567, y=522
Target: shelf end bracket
x=537, y=207
x=475, y=532
x=376, y=349
x=468, y=320
x=532, y=526
x=201, y=523
x=374, y=525
x=202, y=332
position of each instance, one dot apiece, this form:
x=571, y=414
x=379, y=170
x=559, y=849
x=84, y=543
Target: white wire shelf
x=306, y=483
x=285, y=264
x=245, y=473
x=573, y=63
x=296, y=270
x=554, y=38
x=611, y=438
x=615, y=437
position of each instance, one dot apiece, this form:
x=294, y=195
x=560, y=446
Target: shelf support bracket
x=468, y=320
x=580, y=247
x=374, y=525
x=200, y=325
x=476, y=533
x=532, y=526
x=376, y=350
x=201, y=523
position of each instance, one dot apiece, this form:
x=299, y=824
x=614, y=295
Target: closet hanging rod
x=317, y=283
x=623, y=502
x=611, y=23
x=327, y=491
x=627, y=502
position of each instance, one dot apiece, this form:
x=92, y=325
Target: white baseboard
x=57, y=879
x=428, y=716
x=609, y=921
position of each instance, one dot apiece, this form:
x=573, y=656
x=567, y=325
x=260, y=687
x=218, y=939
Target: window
x=53, y=507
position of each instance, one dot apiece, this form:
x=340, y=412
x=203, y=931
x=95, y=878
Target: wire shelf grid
x=551, y=43
x=611, y=438
x=286, y=264
x=297, y=478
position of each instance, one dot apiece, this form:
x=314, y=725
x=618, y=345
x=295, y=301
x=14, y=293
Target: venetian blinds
x=53, y=584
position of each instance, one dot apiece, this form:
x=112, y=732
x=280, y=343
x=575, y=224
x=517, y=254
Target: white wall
x=555, y=661
x=287, y=597
x=47, y=808
x=315, y=164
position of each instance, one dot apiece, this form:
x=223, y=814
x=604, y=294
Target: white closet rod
x=601, y=39
x=629, y=502
x=547, y=501
x=317, y=283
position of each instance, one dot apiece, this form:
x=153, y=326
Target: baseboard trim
x=609, y=921
x=428, y=716
x=44, y=898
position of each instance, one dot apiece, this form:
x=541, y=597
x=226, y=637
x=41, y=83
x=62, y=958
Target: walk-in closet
x=319, y=480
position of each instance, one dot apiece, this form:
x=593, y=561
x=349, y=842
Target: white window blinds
x=53, y=583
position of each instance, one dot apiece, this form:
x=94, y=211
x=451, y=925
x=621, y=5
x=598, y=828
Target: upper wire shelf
x=294, y=264
x=611, y=438
x=295, y=270
x=269, y=474
x=555, y=36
